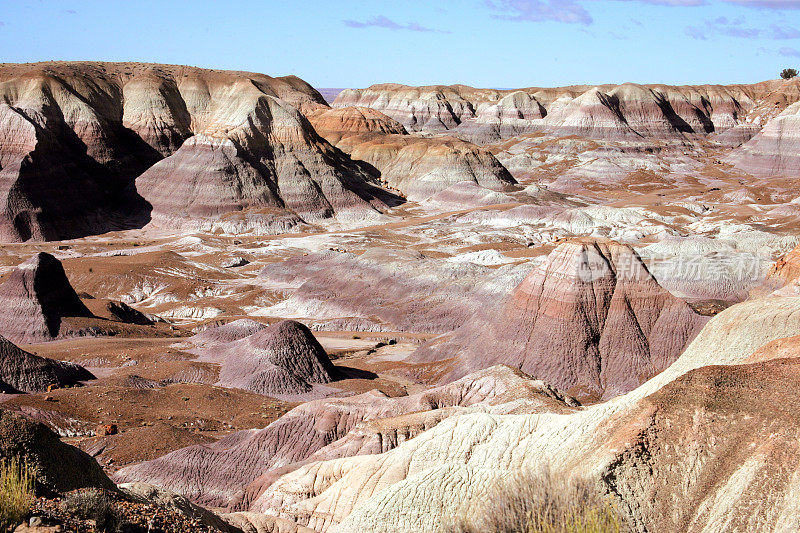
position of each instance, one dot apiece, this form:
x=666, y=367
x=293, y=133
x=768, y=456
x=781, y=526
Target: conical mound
x=591, y=321
x=282, y=359
x=21, y=371
x=34, y=299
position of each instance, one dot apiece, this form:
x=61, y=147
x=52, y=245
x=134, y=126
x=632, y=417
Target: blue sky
x=484, y=43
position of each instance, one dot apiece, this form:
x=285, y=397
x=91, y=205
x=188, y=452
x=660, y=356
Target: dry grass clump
x=92, y=504
x=538, y=502
x=16, y=492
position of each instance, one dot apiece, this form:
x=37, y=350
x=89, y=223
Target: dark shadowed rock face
x=591, y=321
x=35, y=297
x=125, y=313
x=283, y=358
x=21, y=371
x=58, y=467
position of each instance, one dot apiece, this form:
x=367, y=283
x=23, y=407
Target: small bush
x=16, y=492
x=94, y=505
x=540, y=503
x=789, y=73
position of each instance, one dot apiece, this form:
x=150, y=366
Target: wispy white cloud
x=787, y=51
x=383, y=22
x=764, y=4
x=675, y=3
x=722, y=26
x=568, y=11
x=575, y=11
x=768, y=4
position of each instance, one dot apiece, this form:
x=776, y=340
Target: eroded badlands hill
x=21, y=371
x=238, y=469
x=279, y=360
x=165, y=145
x=580, y=234
x=36, y=298
x=591, y=320
x=627, y=111
x=417, y=166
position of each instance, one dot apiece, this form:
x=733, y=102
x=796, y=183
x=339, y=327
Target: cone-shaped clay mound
x=21, y=371
x=282, y=359
x=34, y=298
x=591, y=321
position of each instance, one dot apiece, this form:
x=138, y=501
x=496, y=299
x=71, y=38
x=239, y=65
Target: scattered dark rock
x=125, y=313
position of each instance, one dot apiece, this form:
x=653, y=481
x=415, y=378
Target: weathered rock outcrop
x=238, y=469
x=430, y=108
x=125, y=313
x=775, y=150
x=283, y=359
x=591, y=320
x=58, y=467
x=421, y=167
x=198, y=143
x=261, y=523
x=336, y=124
x=34, y=300
x=731, y=435
x=21, y=371
x=142, y=492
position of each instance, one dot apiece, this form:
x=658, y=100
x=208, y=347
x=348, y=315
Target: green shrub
x=789, y=73
x=537, y=502
x=16, y=492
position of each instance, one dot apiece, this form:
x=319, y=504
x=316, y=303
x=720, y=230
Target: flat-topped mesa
x=335, y=124
x=21, y=371
x=35, y=298
x=627, y=111
x=91, y=147
x=591, y=321
x=282, y=359
x=417, y=166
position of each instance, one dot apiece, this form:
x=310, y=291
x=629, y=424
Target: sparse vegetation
x=16, y=492
x=92, y=504
x=538, y=502
x=789, y=73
